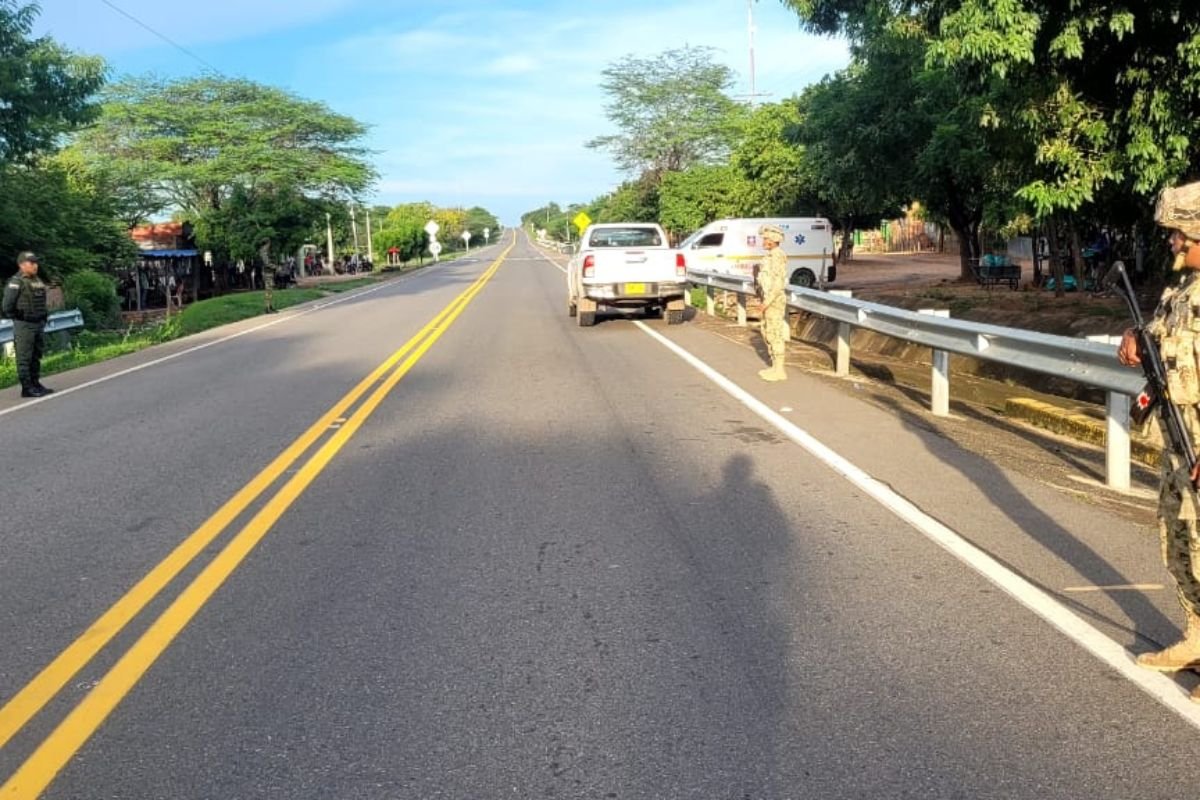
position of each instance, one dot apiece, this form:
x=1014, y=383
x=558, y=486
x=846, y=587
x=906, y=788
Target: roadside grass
x=87, y=348
x=231, y=308
x=92, y=347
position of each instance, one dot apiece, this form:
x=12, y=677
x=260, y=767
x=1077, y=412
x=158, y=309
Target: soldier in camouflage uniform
x=268, y=274
x=1176, y=328
x=25, y=304
x=772, y=289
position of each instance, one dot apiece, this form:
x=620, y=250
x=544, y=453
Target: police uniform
x=25, y=303
x=772, y=285
x=1176, y=329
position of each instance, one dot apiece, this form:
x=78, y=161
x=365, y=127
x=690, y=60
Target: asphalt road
x=547, y=562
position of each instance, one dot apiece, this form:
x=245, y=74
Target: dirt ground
x=929, y=280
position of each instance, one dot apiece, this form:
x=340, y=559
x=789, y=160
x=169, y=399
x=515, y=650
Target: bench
x=992, y=272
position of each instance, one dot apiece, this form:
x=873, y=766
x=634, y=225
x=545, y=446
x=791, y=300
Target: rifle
x=1154, y=394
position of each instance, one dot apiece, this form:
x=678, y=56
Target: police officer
x=25, y=304
x=1176, y=329
x=772, y=281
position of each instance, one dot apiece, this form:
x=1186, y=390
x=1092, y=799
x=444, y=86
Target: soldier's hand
x=1195, y=476
x=1127, y=352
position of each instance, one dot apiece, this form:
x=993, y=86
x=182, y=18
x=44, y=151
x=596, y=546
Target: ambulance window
x=711, y=240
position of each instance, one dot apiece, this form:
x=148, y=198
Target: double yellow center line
x=36, y=773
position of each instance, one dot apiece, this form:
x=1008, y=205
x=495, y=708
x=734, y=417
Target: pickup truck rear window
x=625, y=237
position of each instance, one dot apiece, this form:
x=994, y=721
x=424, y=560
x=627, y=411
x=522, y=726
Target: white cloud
x=512, y=65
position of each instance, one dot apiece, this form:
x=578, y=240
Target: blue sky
x=469, y=102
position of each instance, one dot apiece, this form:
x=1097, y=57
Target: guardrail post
x=1116, y=439
x=843, y=338
x=741, y=309
x=710, y=300
x=10, y=350
x=939, y=394
x=1116, y=442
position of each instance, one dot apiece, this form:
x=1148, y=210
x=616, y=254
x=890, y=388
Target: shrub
x=95, y=294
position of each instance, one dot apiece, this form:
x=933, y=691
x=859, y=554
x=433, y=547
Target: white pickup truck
x=626, y=265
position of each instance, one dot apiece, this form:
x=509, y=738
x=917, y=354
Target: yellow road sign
x=581, y=221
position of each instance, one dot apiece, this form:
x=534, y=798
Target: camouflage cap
x=771, y=233
x=1179, y=209
x=26, y=256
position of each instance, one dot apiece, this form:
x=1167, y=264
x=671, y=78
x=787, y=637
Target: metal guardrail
x=55, y=323
x=566, y=248
x=1092, y=363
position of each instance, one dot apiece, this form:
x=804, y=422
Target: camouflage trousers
x=775, y=329
x=1179, y=534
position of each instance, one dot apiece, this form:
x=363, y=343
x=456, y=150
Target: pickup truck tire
x=654, y=312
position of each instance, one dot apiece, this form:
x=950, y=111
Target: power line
x=162, y=36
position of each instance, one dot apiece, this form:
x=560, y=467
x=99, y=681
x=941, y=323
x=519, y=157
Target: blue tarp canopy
x=168, y=253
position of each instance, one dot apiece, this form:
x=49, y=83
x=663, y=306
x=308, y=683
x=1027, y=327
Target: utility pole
x=754, y=95
x=753, y=86
x=329, y=239
x=354, y=227
x=370, y=248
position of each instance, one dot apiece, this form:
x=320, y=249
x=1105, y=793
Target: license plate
x=635, y=288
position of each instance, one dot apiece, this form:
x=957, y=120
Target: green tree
x=254, y=166
x=632, y=201
x=479, y=219
x=404, y=229
x=46, y=90
x=95, y=295
x=51, y=208
x=1111, y=90
x=691, y=199
x=1100, y=98
x=259, y=224
x=899, y=126
x=198, y=139
x=770, y=159
x=671, y=112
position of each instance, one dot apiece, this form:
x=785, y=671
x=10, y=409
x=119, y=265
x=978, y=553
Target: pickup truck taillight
x=680, y=265
x=589, y=266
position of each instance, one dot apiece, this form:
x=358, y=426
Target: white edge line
x=279, y=321
x=1162, y=688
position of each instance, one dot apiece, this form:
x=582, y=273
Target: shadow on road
x=1144, y=621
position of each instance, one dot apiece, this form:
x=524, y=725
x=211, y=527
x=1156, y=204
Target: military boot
x=1184, y=654
x=776, y=372
x=32, y=391
x=44, y=389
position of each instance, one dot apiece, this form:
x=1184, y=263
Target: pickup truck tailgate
x=634, y=266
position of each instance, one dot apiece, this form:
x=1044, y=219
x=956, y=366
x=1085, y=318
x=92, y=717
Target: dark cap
x=27, y=256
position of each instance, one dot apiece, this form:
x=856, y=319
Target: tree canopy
x=195, y=140
x=45, y=89
x=671, y=111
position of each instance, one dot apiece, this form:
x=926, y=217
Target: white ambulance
x=733, y=246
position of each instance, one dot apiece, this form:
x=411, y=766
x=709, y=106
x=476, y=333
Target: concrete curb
x=1075, y=424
